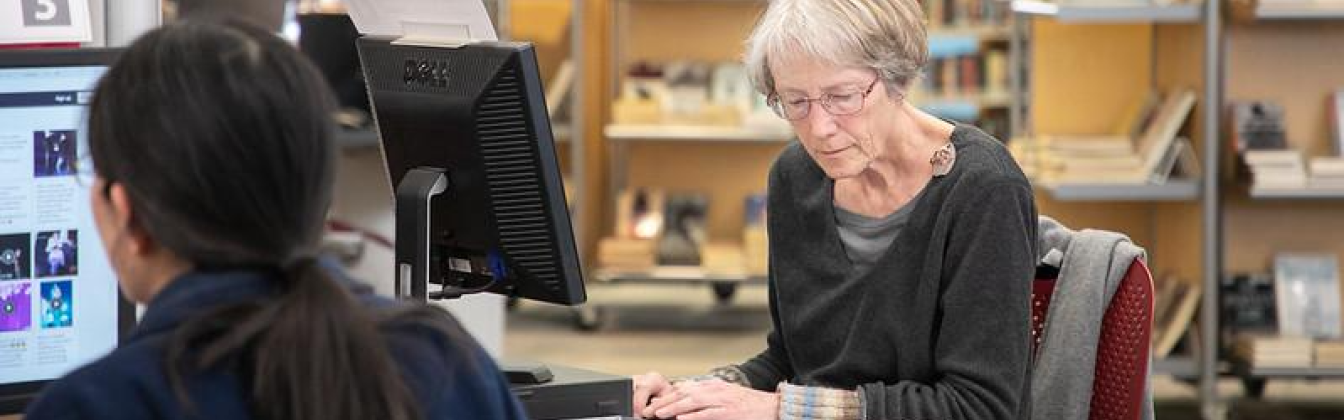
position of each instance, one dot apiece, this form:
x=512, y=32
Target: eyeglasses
x=837, y=104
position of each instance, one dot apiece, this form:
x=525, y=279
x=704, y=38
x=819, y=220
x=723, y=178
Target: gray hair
x=887, y=36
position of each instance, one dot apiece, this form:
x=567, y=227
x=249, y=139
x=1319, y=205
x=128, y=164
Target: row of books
x=688, y=92
x=1288, y=169
x=1259, y=135
x=963, y=13
x=1148, y=149
x=1288, y=352
x=984, y=73
x=657, y=228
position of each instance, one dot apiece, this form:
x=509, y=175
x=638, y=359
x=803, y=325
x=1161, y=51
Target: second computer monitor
x=476, y=115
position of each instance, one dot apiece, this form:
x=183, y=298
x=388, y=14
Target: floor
x=681, y=330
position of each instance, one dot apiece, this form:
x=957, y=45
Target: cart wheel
x=724, y=292
x=589, y=318
x=1254, y=387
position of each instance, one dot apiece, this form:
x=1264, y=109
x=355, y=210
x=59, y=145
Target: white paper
x=42, y=21
x=455, y=20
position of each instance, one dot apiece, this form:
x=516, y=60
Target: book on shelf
x=558, y=91
x=1257, y=125
x=626, y=254
x=1149, y=158
x=1330, y=353
x=1306, y=291
x=1246, y=305
x=755, y=245
x=1274, y=351
x=1173, y=313
x=1275, y=169
x=684, y=231
x=723, y=259
x=639, y=213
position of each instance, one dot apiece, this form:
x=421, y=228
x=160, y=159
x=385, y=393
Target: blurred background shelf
x=1298, y=193
x=1190, y=13
x=1173, y=190
x=1287, y=10
x=694, y=133
x=674, y=275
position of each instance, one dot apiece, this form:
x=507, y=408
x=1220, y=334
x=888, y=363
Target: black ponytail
x=221, y=134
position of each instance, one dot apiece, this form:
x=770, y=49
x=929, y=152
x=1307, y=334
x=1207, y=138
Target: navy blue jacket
x=451, y=380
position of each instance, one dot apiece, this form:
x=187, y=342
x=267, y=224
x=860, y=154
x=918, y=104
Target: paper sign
x=44, y=21
x=458, y=20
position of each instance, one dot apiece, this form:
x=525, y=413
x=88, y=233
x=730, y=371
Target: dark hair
x=220, y=132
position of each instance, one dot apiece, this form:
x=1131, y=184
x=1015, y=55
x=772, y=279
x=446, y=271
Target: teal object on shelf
x=963, y=111
x=944, y=46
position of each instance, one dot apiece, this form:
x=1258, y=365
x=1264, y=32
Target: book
x=558, y=91
x=684, y=232
x=1178, y=307
x=755, y=245
x=1151, y=156
x=1257, y=125
x=1330, y=353
x=639, y=214
x=1306, y=291
x=1274, y=351
x=1246, y=305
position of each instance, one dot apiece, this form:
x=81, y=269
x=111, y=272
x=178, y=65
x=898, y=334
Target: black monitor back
x=477, y=111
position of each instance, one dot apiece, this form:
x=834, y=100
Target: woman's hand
x=712, y=400
x=647, y=386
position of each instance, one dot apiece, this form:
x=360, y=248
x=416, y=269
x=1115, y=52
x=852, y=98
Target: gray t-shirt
x=865, y=238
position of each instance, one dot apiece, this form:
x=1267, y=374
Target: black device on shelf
x=60, y=306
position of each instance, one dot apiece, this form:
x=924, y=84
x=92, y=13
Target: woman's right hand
x=647, y=387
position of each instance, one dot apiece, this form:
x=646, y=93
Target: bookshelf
x=1237, y=229
x=1253, y=10
x=1086, y=13
x=1147, y=48
x=1172, y=190
x=1298, y=194
x=693, y=133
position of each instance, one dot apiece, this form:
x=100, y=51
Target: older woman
x=901, y=245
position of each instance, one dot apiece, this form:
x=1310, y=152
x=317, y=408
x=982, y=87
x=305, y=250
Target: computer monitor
x=59, y=302
x=469, y=151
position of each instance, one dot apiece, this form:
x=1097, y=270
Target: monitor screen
x=59, y=302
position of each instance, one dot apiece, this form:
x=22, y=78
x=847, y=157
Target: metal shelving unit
x=1176, y=13
x=1301, y=10
x=1298, y=194
x=1172, y=190
x=1205, y=366
x=701, y=133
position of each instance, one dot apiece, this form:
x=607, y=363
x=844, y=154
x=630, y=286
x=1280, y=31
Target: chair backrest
x=1123, y=347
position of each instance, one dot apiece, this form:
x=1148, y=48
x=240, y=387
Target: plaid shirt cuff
x=817, y=403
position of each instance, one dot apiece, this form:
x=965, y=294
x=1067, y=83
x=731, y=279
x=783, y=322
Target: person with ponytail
x=211, y=144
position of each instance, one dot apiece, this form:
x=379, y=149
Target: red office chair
x=1122, y=348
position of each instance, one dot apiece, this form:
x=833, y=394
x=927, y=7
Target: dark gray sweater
x=939, y=329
